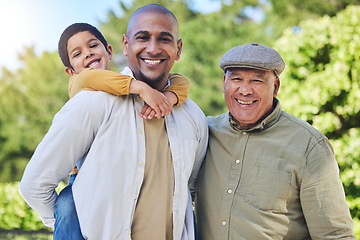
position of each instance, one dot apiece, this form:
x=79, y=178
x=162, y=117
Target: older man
x=267, y=174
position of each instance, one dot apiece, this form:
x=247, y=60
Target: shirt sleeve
x=200, y=153
x=322, y=196
x=179, y=85
x=68, y=139
x=100, y=80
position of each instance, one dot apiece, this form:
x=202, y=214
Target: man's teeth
x=93, y=64
x=241, y=102
x=148, y=61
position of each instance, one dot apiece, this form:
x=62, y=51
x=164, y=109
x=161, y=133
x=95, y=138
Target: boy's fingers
x=151, y=114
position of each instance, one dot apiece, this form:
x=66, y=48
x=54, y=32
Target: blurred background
x=319, y=41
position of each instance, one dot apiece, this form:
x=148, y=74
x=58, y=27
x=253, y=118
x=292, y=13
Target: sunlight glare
x=16, y=29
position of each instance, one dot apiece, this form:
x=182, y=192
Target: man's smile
x=245, y=102
x=152, y=62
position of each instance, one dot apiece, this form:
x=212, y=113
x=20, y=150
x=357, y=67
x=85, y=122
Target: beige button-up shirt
x=279, y=180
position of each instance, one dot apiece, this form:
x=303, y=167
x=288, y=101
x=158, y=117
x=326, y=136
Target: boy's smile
x=86, y=51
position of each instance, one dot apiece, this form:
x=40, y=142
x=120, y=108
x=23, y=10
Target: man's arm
x=201, y=149
x=67, y=140
x=322, y=196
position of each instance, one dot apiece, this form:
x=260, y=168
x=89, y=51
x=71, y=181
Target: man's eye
x=142, y=38
x=93, y=45
x=165, y=39
x=76, y=54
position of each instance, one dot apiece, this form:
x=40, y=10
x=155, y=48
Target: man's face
x=249, y=94
x=86, y=51
x=152, y=46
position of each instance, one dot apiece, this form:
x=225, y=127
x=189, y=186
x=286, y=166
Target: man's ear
x=224, y=82
x=69, y=71
x=125, y=42
x=179, y=46
x=276, y=86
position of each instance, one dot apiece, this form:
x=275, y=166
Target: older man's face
x=249, y=94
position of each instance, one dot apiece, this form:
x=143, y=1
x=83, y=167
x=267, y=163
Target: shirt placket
x=140, y=168
x=233, y=181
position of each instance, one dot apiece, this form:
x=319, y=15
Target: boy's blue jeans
x=67, y=225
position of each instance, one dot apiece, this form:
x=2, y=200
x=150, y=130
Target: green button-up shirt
x=279, y=180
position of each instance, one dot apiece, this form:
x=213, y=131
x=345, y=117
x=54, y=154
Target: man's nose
x=153, y=47
x=245, y=89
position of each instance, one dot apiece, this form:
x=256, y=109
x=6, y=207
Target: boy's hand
x=171, y=97
x=147, y=112
x=159, y=104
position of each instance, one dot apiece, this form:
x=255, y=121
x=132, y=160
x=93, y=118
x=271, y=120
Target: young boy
x=86, y=56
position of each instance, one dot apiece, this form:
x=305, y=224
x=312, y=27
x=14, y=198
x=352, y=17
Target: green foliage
x=320, y=83
x=29, y=98
x=14, y=212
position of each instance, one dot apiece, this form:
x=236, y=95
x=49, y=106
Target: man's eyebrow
x=143, y=32
x=167, y=34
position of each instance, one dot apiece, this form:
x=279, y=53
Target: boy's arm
x=179, y=85
x=119, y=84
x=100, y=80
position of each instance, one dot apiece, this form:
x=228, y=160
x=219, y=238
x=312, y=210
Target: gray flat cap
x=253, y=55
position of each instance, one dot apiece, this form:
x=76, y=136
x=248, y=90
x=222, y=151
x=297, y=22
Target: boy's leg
x=66, y=221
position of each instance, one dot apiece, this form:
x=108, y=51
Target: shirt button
x=244, y=133
x=128, y=232
x=141, y=163
x=223, y=223
x=229, y=191
x=140, y=131
x=237, y=161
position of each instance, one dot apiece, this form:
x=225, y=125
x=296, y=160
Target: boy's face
x=86, y=51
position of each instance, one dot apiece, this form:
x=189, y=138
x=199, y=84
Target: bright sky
x=39, y=23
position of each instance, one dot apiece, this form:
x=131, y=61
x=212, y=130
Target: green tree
x=29, y=98
x=321, y=85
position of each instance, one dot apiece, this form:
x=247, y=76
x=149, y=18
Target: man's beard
x=152, y=82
